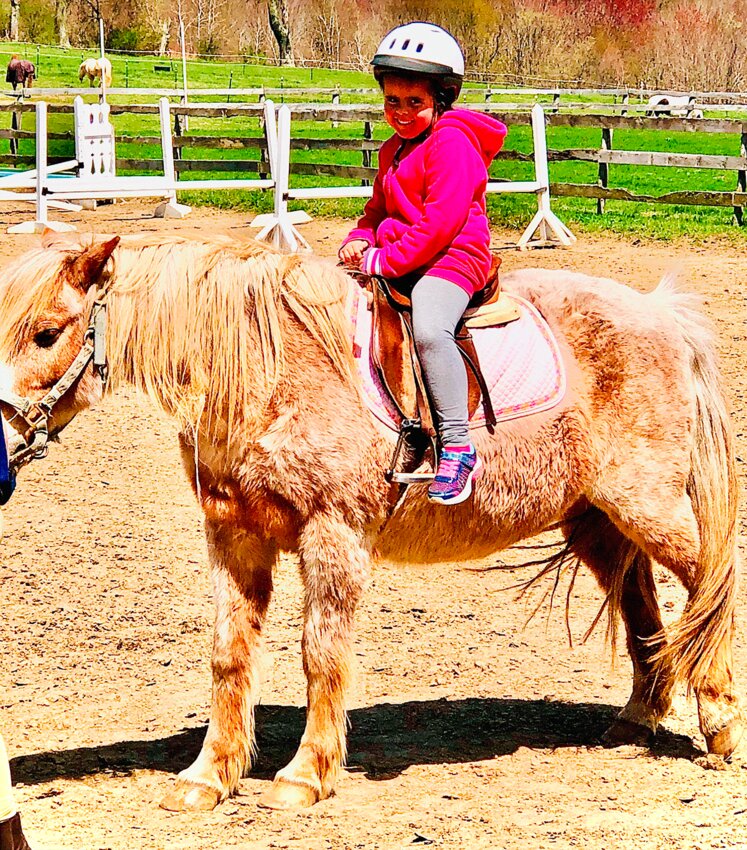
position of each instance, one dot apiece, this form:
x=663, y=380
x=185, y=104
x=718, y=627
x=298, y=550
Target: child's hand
x=351, y=252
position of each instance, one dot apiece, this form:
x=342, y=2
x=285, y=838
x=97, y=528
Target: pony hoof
x=725, y=741
x=625, y=732
x=190, y=797
x=288, y=795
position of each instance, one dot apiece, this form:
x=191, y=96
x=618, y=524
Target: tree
x=60, y=21
x=15, y=10
x=278, y=12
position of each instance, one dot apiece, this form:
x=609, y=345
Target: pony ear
x=89, y=264
x=52, y=239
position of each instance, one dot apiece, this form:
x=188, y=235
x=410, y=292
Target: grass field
x=58, y=68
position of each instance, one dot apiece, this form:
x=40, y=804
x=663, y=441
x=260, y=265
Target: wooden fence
x=615, y=99
x=605, y=156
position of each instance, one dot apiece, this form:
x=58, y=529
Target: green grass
x=58, y=68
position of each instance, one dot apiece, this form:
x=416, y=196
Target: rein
x=37, y=412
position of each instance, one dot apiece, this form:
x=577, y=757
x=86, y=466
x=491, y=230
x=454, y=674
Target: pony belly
x=422, y=532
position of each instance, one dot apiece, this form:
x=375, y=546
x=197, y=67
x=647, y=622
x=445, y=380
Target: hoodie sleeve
x=375, y=210
x=453, y=171
x=373, y=214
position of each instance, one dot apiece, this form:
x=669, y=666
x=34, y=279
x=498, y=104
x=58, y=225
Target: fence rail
x=604, y=157
x=622, y=97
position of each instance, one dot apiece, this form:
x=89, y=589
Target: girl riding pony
x=427, y=217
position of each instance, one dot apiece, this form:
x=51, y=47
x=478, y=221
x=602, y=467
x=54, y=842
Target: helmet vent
x=394, y=41
x=419, y=48
x=406, y=44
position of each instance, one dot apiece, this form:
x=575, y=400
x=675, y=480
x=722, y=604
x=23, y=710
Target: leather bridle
x=36, y=413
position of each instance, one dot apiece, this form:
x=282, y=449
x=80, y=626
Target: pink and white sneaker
x=458, y=467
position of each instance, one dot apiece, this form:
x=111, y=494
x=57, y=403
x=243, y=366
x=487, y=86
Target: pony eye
x=47, y=338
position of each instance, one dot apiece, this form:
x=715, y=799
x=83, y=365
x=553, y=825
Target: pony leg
x=624, y=573
x=241, y=569
x=699, y=646
x=334, y=567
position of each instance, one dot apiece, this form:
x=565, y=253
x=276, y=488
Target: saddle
x=396, y=362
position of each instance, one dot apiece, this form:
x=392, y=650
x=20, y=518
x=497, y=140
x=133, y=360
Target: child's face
x=408, y=105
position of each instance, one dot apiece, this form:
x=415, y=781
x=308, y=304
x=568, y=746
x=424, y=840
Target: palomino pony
x=96, y=69
x=250, y=350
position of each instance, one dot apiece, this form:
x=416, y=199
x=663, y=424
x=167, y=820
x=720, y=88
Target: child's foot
x=458, y=466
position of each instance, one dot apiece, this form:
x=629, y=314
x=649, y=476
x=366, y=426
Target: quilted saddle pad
x=520, y=361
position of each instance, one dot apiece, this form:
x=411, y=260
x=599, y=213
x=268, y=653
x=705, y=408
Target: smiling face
x=409, y=105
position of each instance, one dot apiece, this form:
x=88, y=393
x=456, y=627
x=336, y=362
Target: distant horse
x=250, y=350
x=96, y=69
x=672, y=106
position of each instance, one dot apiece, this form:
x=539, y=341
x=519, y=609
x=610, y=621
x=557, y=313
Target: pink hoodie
x=427, y=212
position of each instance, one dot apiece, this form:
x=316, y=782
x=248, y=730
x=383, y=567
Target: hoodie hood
x=485, y=132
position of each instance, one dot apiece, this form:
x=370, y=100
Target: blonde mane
x=187, y=313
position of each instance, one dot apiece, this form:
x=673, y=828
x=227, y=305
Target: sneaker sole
x=466, y=493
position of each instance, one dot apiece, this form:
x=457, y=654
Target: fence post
x=367, y=157
x=626, y=101
x=336, y=102
x=16, y=123
x=604, y=168
x=265, y=155
x=177, y=149
x=555, y=103
x=488, y=94
x=741, y=180
x=269, y=117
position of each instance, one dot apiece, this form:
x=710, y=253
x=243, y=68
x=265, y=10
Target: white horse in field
x=94, y=69
x=672, y=106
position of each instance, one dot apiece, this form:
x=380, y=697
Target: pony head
x=46, y=298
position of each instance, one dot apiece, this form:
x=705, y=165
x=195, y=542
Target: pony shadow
x=384, y=739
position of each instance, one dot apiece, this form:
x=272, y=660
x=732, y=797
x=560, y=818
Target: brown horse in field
x=250, y=350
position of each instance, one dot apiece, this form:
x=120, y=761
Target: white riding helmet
x=421, y=48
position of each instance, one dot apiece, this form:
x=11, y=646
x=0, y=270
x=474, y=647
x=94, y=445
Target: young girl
x=427, y=216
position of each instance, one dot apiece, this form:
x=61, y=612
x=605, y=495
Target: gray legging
x=437, y=307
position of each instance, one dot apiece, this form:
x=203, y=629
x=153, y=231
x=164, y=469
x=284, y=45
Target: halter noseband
x=37, y=413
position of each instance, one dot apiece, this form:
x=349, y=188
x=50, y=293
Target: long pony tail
x=701, y=637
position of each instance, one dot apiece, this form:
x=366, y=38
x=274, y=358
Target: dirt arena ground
x=468, y=729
